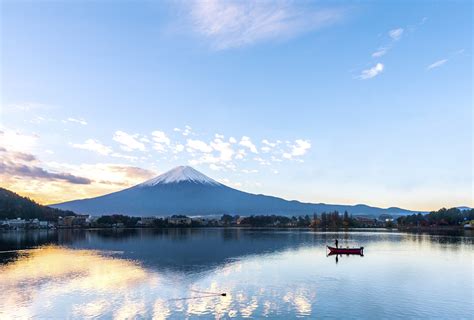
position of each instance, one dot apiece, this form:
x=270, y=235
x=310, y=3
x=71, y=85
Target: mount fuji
x=184, y=190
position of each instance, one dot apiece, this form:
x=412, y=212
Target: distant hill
x=185, y=190
x=13, y=206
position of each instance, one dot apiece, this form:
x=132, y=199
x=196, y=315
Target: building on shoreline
x=77, y=221
x=19, y=224
x=179, y=220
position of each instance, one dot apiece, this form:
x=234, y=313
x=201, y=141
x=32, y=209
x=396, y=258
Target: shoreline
x=250, y=228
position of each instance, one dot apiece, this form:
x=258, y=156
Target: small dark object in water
x=359, y=251
x=207, y=295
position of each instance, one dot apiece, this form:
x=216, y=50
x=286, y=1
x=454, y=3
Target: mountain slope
x=184, y=190
x=13, y=206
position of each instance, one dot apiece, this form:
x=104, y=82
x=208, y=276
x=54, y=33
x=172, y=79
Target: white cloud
x=262, y=161
x=28, y=106
x=187, y=131
x=217, y=162
x=270, y=144
x=298, y=149
x=396, y=34
x=231, y=24
x=232, y=140
x=177, y=130
x=437, y=64
x=178, y=148
x=80, y=121
x=215, y=167
x=219, y=136
x=240, y=154
x=161, y=141
x=246, y=142
x=198, y=145
x=17, y=141
x=249, y=171
x=128, y=142
x=93, y=145
x=380, y=52
x=160, y=137
x=224, y=149
x=124, y=156
x=372, y=72
x=38, y=119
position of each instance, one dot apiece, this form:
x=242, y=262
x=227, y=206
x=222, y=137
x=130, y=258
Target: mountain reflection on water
x=161, y=274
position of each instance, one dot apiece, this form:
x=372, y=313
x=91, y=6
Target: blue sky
x=336, y=102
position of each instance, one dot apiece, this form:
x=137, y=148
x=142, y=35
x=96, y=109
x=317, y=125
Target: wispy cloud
x=79, y=121
x=93, y=145
x=380, y=52
x=437, y=64
x=231, y=24
x=396, y=34
x=442, y=62
x=29, y=106
x=371, y=72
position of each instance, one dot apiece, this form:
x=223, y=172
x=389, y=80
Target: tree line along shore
x=18, y=212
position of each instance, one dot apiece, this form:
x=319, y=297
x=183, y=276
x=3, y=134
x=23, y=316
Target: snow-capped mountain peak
x=180, y=174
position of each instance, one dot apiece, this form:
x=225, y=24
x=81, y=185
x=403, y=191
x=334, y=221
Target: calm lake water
x=174, y=273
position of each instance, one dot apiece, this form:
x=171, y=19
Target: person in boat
x=337, y=243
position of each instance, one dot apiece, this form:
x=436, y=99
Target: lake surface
x=178, y=273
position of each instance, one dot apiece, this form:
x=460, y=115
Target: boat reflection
x=340, y=255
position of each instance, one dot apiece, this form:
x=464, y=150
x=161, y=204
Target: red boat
x=333, y=250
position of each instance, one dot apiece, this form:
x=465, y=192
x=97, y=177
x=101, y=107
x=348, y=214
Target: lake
x=179, y=274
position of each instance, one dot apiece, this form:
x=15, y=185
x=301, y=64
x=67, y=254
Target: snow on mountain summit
x=180, y=174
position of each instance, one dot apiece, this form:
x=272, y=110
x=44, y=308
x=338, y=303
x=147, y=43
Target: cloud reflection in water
x=55, y=281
